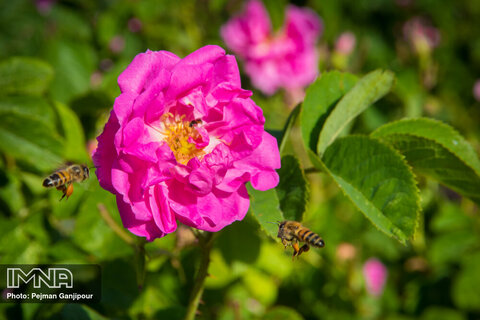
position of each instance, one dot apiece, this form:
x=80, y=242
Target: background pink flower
x=421, y=35
x=345, y=43
x=375, y=274
x=181, y=142
x=287, y=59
x=476, y=90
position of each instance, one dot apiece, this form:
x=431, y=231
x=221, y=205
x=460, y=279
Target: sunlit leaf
x=292, y=189
x=75, y=146
x=31, y=106
x=369, y=89
x=73, y=63
x=320, y=99
x=437, y=150
x=265, y=207
x=30, y=140
x=378, y=181
x=21, y=75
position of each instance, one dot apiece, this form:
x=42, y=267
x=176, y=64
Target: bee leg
x=296, y=250
x=69, y=190
x=304, y=248
x=62, y=188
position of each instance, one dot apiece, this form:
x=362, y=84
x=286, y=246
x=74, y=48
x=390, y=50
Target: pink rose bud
x=476, y=90
x=421, y=35
x=44, y=6
x=134, y=25
x=375, y=274
x=182, y=141
x=287, y=59
x=345, y=43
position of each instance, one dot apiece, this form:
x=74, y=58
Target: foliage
x=393, y=135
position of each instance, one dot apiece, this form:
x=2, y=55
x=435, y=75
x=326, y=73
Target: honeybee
x=291, y=232
x=194, y=122
x=64, y=178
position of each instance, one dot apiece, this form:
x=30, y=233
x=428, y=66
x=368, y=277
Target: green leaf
x=465, y=291
x=378, y=181
x=73, y=63
x=292, y=189
x=31, y=140
x=75, y=146
x=92, y=233
x=246, y=250
x=282, y=313
x=437, y=150
x=442, y=313
x=21, y=75
x=276, y=11
x=31, y=106
x=288, y=127
x=369, y=89
x=319, y=101
x=265, y=207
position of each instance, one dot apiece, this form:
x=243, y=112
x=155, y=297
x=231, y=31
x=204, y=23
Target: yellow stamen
x=177, y=131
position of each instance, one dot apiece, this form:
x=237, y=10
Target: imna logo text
x=51, y=278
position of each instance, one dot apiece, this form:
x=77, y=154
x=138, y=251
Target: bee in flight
x=291, y=232
x=64, y=178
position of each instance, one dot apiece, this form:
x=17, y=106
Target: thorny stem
x=206, y=243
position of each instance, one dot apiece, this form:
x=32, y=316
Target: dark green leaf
x=437, y=150
x=369, y=89
x=377, y=181
x=246, y=250
x=24, y=76
x=265, y=207
x=292, y=189
x=320, y=99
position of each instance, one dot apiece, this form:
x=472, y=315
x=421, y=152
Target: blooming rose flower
x=182, y=140
x=375, y=274
x=287, y=59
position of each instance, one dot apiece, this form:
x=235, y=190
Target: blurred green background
x=59, y=61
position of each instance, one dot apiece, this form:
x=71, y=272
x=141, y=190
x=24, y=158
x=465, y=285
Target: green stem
x=206, y=243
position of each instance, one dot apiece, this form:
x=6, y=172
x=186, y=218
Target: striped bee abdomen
x=311, y=238
x=56, y=179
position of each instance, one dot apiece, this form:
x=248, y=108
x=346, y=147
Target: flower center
x=180, y=135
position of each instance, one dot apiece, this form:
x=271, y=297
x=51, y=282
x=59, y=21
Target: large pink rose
x=287, y=59
x=182, y=141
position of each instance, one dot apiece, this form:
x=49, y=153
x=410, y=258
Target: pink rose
x=287, y=59
x=181, y=142
x=375, y=274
